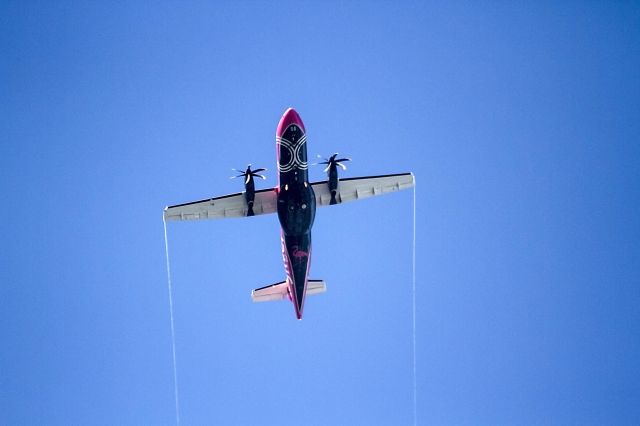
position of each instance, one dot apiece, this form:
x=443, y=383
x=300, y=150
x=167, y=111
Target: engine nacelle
x=249, y=186
x=332, y=171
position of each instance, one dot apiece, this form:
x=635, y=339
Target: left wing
x=233, y=205
x=351, y=189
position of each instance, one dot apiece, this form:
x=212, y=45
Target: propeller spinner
x=248, y=174
x=332, y=162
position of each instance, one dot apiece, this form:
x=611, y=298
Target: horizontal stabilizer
x=280, y=291
x=271, y=292
x=316, y=287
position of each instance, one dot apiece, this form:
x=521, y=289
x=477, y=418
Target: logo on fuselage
x=292, y=150
x=298, y=254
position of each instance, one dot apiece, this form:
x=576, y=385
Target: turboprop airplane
x=295, y=200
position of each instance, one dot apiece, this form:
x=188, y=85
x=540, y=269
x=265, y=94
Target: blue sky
x=520, y=121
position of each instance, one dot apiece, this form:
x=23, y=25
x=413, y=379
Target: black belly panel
x=296, y=209
x=299, y=251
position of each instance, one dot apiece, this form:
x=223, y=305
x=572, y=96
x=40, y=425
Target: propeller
x=332, y=164
x=333, y=161
x=246, y=174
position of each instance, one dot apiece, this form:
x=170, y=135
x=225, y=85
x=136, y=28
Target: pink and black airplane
x=294, y=200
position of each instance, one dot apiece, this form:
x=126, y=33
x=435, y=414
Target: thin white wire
x=413, y=273
x=173, y=332
x=413, y=288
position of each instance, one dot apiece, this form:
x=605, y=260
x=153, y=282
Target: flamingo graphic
x=299, y=254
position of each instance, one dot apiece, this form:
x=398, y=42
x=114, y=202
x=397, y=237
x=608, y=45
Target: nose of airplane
x=289, y=117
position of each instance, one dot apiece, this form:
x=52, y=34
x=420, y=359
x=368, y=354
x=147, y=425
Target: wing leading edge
x=233, y=205
x=351, y=189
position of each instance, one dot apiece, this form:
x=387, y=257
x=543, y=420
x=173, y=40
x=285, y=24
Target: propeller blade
x=342, y=165
x=258, y=170
x=248, y=178
x=260, y=176
x=343, y=159
x=326, y=169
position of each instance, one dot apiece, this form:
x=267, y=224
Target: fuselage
x=296, y=205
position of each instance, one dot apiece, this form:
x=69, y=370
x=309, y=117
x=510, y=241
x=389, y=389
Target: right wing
x=233, y=205
x=351, y=189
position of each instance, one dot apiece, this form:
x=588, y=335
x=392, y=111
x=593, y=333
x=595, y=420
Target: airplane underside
x=294, y=200
x=296, y=204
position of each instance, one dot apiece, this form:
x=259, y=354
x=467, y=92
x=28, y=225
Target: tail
x=280, y=291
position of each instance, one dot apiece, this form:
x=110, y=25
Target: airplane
x=294, y=200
